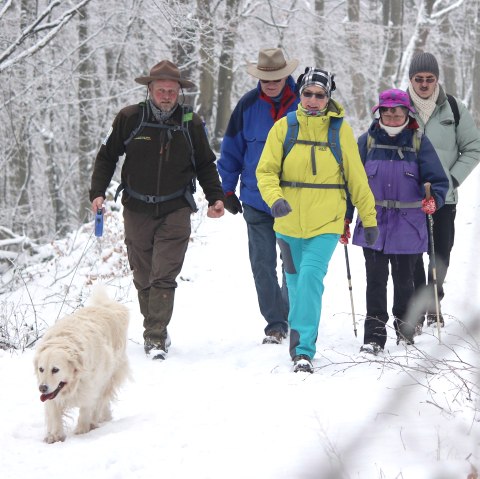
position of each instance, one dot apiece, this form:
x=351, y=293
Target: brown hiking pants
x=156, y=250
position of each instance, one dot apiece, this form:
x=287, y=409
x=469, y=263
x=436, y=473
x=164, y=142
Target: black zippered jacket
x=158, y=161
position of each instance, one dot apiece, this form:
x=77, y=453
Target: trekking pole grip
x=427, y=190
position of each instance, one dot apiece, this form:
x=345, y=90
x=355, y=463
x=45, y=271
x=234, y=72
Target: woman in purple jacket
x=398, y=160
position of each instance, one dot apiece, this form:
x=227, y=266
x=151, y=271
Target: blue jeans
x=306, y=264
x=262, y=248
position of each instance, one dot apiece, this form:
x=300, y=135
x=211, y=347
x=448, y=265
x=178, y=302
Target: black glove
x=370, y=234
x=280, y=208
x=232, y=203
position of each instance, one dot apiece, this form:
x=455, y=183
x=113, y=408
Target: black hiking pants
x=377, y=269
x=443, y=238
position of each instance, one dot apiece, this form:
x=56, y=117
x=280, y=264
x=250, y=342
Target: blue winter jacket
x=402, y=227
x=245, y=138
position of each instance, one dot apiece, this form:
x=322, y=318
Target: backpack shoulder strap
x=417, y=140
x=454, y=107
x=335, y=147
x=143, y=109
x=370, y=142
x=292, y=133
x=187, y=114
x=334, y=138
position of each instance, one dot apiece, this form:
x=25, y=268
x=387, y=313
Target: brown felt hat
x=271, y=65
x=165, y=70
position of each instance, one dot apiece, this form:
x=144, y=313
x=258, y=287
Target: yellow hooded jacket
x=315, y=211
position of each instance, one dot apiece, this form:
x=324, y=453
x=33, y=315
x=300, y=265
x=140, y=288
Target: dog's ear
x=76, y=362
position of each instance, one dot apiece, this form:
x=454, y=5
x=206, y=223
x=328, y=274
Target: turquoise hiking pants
x=306, y=264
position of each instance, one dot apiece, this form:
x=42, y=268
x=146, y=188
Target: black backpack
x=454, y=107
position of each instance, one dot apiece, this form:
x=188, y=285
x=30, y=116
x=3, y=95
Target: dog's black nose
x=43, y=388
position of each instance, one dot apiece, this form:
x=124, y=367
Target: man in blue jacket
x=242, y=146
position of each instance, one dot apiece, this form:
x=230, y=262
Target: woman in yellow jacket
x=307, y=195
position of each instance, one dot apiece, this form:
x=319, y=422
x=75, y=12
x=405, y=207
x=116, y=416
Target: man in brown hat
x=242, y=146
x=166, y=149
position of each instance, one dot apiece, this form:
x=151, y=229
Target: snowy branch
x=54, y=27
x=7, y=5
x=445, y=11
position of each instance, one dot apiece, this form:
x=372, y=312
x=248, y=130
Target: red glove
x=346, y=232
x=428, y=206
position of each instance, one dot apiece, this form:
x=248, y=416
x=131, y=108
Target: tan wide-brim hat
x=165, y=70
x=271, y=65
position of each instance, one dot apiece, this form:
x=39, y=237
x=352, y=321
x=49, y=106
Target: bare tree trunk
x=225, y=76
x=20, y=166
x=53, y=175
x=424, y=27
x=475, y=105
x=393, y=26
x=184, y=39
x=206, y=95
x=318, y=56
x=358, y=80
x=86, y=135
x=448, y=57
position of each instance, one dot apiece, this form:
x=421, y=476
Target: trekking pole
x=433, y=263
x=349, y=278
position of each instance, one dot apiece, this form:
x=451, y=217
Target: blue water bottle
x=99, y=222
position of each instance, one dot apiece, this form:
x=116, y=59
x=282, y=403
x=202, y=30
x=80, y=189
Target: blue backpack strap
x=334, y=139
x=334, y=144
x=292, y=133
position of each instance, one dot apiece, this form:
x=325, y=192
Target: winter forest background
x=67, y=67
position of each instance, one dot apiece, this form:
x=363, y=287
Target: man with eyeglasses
x=250, y=122
x=458, y=147
x=166, y=149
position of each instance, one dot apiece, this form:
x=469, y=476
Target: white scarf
x=424, y=106
x=394, y=130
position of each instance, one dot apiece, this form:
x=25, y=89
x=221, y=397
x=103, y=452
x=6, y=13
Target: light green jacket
x=315, y=211
x=458, y=148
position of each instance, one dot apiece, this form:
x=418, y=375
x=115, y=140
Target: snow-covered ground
x=224, y=406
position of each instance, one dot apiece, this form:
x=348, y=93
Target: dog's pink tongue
x=53, y=394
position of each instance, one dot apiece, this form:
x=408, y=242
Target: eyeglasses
x=389, y=112
x=270, y=81
x=423, y=79
x=318, y=96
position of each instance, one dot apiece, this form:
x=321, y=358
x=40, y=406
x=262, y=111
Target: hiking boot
x=432, y=319
x=407, y=341
x=371, y=348
x=158, y=353
x=302, y=363
x=418, y=329
x=274, y=337
x=157, y=350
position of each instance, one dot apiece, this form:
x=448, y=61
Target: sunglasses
x=270, y=81
x=423, y=80
x=391, y=113
x=318, y=96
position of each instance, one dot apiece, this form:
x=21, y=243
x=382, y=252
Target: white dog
x=81, y=362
